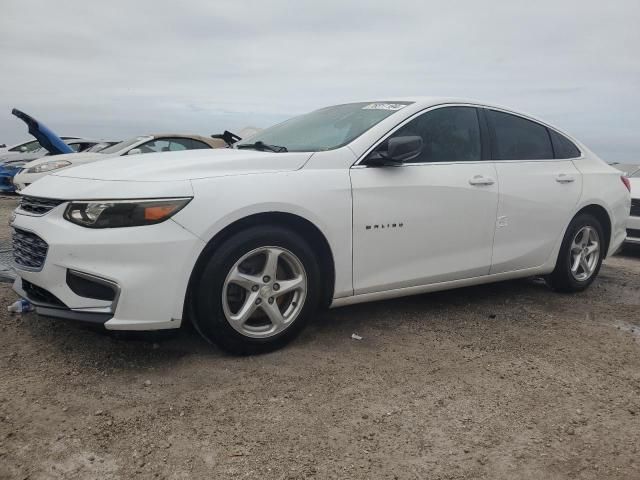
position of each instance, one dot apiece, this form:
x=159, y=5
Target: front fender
x=220, y=202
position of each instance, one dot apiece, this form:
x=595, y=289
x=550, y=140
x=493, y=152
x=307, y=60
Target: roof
x=420, y=102
x=438, y=100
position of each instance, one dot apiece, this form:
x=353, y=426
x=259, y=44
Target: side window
x=562, y=146
x=83, y=146
x=198, y=145
x=157, y=145
x=27, y=147
x=170, y=145
x=449, y=134
x=517, y=138
x=75, y=146
x=178, y=144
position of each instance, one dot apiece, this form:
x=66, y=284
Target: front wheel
x=257, y=290
x=580, y=256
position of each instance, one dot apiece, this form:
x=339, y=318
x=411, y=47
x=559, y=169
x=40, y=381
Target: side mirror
x=398, y=150
x=23, y=149
x=403, y=149
x=134, y=151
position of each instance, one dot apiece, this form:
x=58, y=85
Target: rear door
x=430, y=220
x=539, y=189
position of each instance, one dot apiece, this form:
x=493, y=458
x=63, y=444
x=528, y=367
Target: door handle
x=481, y=180
x=564, y=178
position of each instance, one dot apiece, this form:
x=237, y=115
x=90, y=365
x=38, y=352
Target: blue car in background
x=51, y=144
x=7, y=172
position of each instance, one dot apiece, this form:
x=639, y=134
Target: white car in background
x=35, y=151
x=633, y=225
x=347, y=204
x=168, y=142
x=24, y=147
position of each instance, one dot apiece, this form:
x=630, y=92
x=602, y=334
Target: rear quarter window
x=562, y=146
x=198, y=145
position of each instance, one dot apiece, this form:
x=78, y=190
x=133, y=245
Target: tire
x=236, y=281
x=565, y=278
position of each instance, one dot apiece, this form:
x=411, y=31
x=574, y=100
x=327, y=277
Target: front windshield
x=327, y=128
x=98, y=147
x=635, y=174
x=122, y=145
x=27, y=147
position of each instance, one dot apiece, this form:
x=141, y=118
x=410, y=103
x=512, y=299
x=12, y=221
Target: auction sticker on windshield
x=384, y=106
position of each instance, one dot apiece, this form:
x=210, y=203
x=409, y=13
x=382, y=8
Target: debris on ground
x=20, y=306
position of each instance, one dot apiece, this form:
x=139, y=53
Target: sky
x=115, y=69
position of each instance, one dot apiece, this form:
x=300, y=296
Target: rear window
x=517, y=138
x=562, y=146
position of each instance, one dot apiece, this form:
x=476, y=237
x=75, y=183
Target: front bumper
x=633, y=230
x=149, y=267
x=58, y=310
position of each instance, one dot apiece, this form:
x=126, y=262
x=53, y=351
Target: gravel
x=498, y=381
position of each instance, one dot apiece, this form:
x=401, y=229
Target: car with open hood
x=10, y=167
x=165, y=142
x=46, y=144
x=351, y=203
x=24, y=147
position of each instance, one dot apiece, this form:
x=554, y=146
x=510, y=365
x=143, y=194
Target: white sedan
x=37, y=169
x=633, y=225
x=351, y=203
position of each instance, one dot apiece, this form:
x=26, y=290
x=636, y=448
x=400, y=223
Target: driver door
x=431, y=219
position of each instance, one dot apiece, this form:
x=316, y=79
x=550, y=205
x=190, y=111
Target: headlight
x=122, y=213
x=48, y=166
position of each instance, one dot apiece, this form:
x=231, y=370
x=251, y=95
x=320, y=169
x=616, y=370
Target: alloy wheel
x=585, y=253
x=264, y=292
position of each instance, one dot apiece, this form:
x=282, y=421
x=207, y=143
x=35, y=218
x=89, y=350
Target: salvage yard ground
x=500, y=381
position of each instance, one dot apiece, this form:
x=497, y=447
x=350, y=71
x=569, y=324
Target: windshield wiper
x=261, y=146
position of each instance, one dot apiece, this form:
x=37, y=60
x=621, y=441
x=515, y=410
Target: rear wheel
x=580, y=255
x=257, y=290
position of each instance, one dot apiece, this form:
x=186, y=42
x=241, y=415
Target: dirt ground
x=500, y=381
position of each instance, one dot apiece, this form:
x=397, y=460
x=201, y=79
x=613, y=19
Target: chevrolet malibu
x=350, y=203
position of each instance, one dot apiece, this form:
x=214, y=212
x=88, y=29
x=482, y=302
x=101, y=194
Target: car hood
x=13, y=164
x=74, y=158
x=47, y=138
x=9, y=156
x=175, y=166
x=23, y=156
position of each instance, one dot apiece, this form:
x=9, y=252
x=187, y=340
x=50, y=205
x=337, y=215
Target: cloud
x=117, y=69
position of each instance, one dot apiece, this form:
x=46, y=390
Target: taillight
x=626, y=182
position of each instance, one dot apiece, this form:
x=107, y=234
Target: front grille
x=633, y=233
x=38, y=206
x=40, y=295
x=29, y=250
x=635, y=207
